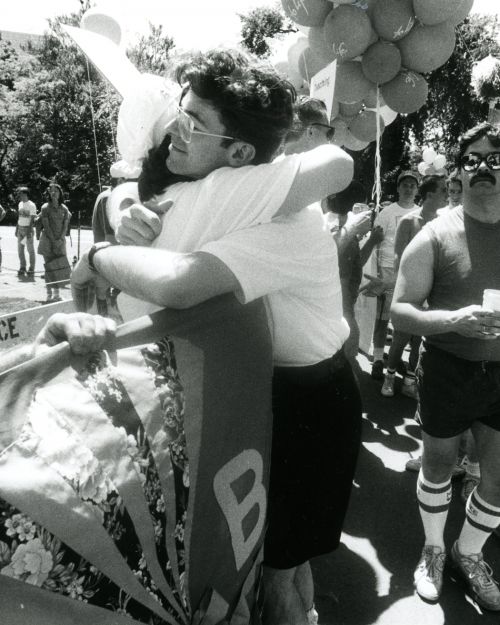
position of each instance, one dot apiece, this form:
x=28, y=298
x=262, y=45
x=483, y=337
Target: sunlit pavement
x=369, y=579
x=20, y=293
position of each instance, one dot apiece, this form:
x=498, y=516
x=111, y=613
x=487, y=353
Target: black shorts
x=316, y=438
x=454, y=392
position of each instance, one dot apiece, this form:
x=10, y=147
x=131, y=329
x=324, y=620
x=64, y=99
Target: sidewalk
x=369, y=579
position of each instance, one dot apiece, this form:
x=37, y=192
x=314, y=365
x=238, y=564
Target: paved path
x=368, y=580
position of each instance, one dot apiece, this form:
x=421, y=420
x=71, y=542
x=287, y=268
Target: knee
x=437, y=469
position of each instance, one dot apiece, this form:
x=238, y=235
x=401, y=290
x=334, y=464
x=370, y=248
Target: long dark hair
x=155, y=176
x=61, y=193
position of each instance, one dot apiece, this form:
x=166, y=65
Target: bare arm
x=161, y=277
x=413, y=285
x=325, y=170
x=403, y=237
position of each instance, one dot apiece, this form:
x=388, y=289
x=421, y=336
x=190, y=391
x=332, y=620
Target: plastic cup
x=491, y=299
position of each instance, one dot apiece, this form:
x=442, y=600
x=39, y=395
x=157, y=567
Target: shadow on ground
x=369, y=579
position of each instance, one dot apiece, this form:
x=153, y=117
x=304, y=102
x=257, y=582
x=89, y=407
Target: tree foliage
x=261, y=24
x=452, y=106
x=58, y=115
x=151, y=54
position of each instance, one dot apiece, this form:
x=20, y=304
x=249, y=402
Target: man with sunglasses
x=449, y=264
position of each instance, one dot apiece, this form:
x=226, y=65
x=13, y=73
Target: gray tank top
x=466, y=261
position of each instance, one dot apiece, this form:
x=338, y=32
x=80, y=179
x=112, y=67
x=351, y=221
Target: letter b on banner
x=235, y=508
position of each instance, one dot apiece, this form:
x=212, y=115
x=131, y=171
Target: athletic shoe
x=378, y=370
x=312, y=616
x=415, y=464
x=21, y=272
x=409, y=387
x=387, y=389
x=478, y=577
x=428, y=575
x=469, y=483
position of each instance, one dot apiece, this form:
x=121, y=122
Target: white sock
x=434, y=501
x=378, y=353
x=481, y=518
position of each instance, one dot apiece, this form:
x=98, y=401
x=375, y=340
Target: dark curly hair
x=484, y=129
x=255, y=103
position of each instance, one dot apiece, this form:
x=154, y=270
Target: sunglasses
x=185, y=124
x=330, y=133
x=473, y=160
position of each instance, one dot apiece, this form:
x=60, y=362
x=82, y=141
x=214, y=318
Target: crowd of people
x=245, y=221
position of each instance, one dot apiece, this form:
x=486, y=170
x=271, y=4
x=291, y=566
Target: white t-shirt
x=227, y=200
x=389, y=219
x=293, y=261
x=26, y=211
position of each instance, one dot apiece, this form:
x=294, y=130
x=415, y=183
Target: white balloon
x=428, y=155
x=99, y=21
x=439, y=162
x=421, y=168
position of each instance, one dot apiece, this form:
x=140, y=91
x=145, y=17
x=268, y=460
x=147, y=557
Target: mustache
x=482, y=178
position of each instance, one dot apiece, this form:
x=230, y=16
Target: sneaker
x=409, y=387
x=378, y=370
x=387, y=389
x=21, y=272
x=312, y=616
x=428, y=575
x=415, y=464
x=478, y=577
x=469, y=483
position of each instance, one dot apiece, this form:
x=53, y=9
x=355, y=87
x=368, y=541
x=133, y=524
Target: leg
x=22, y=257
x=399, y=341
x=471, y=462
x=482, y=518
x=31, y=252
x=483, y=504
x=434, y=495
x=305, y=586
x=282, y=602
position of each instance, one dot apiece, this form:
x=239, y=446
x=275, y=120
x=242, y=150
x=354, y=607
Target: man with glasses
x=449, y=264
x=216, y=141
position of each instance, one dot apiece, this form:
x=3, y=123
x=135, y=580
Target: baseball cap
x=407, y=174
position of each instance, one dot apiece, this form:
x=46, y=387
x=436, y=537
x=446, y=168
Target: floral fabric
x=32, y=554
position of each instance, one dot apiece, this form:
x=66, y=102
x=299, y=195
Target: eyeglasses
x=330, y=133
x=185, y=124
x=473, y=160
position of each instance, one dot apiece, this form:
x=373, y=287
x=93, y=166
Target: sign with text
x=323, y=86
x=24, y=325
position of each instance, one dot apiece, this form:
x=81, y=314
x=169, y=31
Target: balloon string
x=377, y=187
x=93, y=125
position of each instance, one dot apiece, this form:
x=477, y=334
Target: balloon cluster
x=432, y=162
x=382, y=48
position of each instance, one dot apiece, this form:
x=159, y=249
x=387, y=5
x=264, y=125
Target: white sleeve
x=245, y=196
x=274, y=256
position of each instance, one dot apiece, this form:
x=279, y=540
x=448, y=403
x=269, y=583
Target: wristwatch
x=93, y=251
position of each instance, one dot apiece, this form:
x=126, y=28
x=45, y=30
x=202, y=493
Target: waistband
x=481, y=364
x=315, y=373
